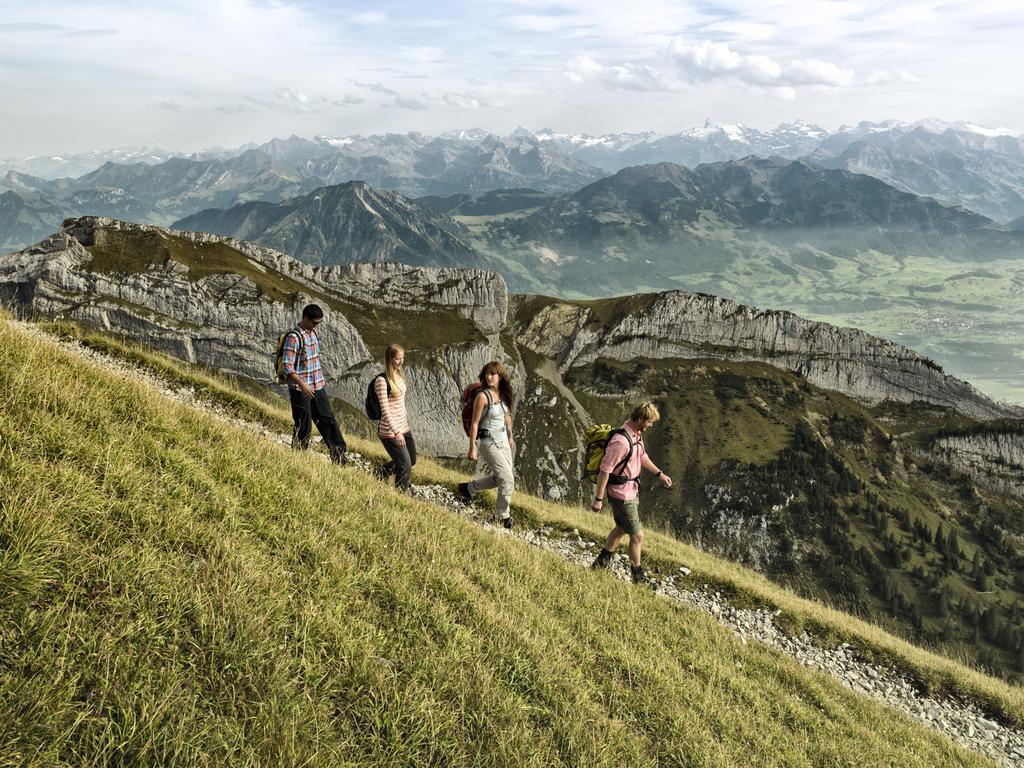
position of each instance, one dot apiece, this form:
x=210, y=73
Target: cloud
x=434, y=23
x=31, y=26
x=469, y=101
x=169, y=105
x=404, y=103
x=626, y=76
x=421, y=54
x=883, y=77
x=236, y=109
x=350, y=99
x=375, y=87
x=708, y=61
x=369, y=19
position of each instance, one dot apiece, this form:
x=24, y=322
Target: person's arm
x=646, y=463
x=289, y=359
x=508, y=426
x=474, y=426
x=380, y=387
x=597, y=503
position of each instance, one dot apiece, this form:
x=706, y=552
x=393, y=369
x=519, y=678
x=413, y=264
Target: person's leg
x=487, y=475
x=614, y=537
x=505, y=473
x=302, y=418
x=604, y=557
x=636, y=541
x=402, y=462
x=385, y=470
x=327, y=425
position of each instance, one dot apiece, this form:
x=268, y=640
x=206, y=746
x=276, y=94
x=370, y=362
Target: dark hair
x=312, y=311
x=504, y=385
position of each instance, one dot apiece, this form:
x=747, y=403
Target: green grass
x=179, y=592
x=933, y=671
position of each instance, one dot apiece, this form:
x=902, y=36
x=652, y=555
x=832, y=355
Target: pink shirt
x=616, y=451
x=393, y=419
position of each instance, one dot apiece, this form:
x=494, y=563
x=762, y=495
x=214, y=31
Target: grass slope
x=175, y=591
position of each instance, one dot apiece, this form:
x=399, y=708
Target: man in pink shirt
x=619, y=474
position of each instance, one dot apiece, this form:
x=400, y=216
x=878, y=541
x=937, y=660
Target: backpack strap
x=620, y=468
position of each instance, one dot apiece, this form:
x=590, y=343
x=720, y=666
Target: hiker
x=306, y=386
x=490, y=438
x=393, y=426
x=624, y=455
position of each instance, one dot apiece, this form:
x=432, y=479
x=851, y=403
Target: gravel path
x=961, y=721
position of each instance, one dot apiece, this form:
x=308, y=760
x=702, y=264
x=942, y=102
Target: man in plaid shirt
x=307, y=388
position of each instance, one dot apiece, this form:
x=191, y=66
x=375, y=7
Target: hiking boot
x=603, y=560
x=464, y=494
x=506, y=522
x=637, y=574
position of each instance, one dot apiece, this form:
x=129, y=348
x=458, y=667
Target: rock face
x=993, y=457
x=222, y=302
x=165, y=294
x=687, y=325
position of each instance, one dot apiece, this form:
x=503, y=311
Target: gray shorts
x=626, y=514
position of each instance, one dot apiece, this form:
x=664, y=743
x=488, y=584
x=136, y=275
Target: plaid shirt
x=306, y=365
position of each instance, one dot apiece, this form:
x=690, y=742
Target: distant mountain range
x=825, y=242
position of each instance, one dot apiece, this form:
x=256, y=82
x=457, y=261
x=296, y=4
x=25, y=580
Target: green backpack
x=282, y=377
x=596, y=441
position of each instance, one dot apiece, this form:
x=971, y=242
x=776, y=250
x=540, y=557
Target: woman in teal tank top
x=490, y=440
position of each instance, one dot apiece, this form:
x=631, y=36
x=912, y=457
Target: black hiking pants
x=402, y=460
x=307, y=411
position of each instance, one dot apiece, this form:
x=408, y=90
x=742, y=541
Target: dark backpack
x=596, y=440
x=373, y=409
x=468, y=397
x=282, y=377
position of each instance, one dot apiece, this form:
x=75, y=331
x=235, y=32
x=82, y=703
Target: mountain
x=714, y=142
x=840, y=464
x=345, y=223
x=76, y=164
x=953, y=164
x=417, y=165
x=492, y=203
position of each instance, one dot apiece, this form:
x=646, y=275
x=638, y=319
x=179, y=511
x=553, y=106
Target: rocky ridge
x=961, y=721
x=688, y=325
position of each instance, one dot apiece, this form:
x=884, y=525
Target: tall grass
x=178, y=592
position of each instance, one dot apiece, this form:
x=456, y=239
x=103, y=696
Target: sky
x=189, y=74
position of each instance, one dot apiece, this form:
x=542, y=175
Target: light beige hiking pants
x=496, y=466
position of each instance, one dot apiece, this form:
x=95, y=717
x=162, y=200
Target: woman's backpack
x=468, y=396
x=373, y=409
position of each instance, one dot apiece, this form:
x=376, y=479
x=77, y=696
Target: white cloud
x=626, y=76
x=470, y=101
x=883, y=77
x=421, y=54
x=369, y=19
x=717, y=61
x=413, y=104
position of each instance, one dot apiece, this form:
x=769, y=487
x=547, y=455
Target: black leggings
x=402, y=460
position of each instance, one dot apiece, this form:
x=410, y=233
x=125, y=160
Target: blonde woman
x=393, y=427
x=490, y=439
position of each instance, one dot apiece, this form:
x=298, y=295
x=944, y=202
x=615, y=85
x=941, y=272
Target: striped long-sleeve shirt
x=393, y=420
x=307, y=364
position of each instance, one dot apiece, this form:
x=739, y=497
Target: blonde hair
x=646, y=411
x=395, y=378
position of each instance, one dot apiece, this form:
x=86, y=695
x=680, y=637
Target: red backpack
x=468, y=396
